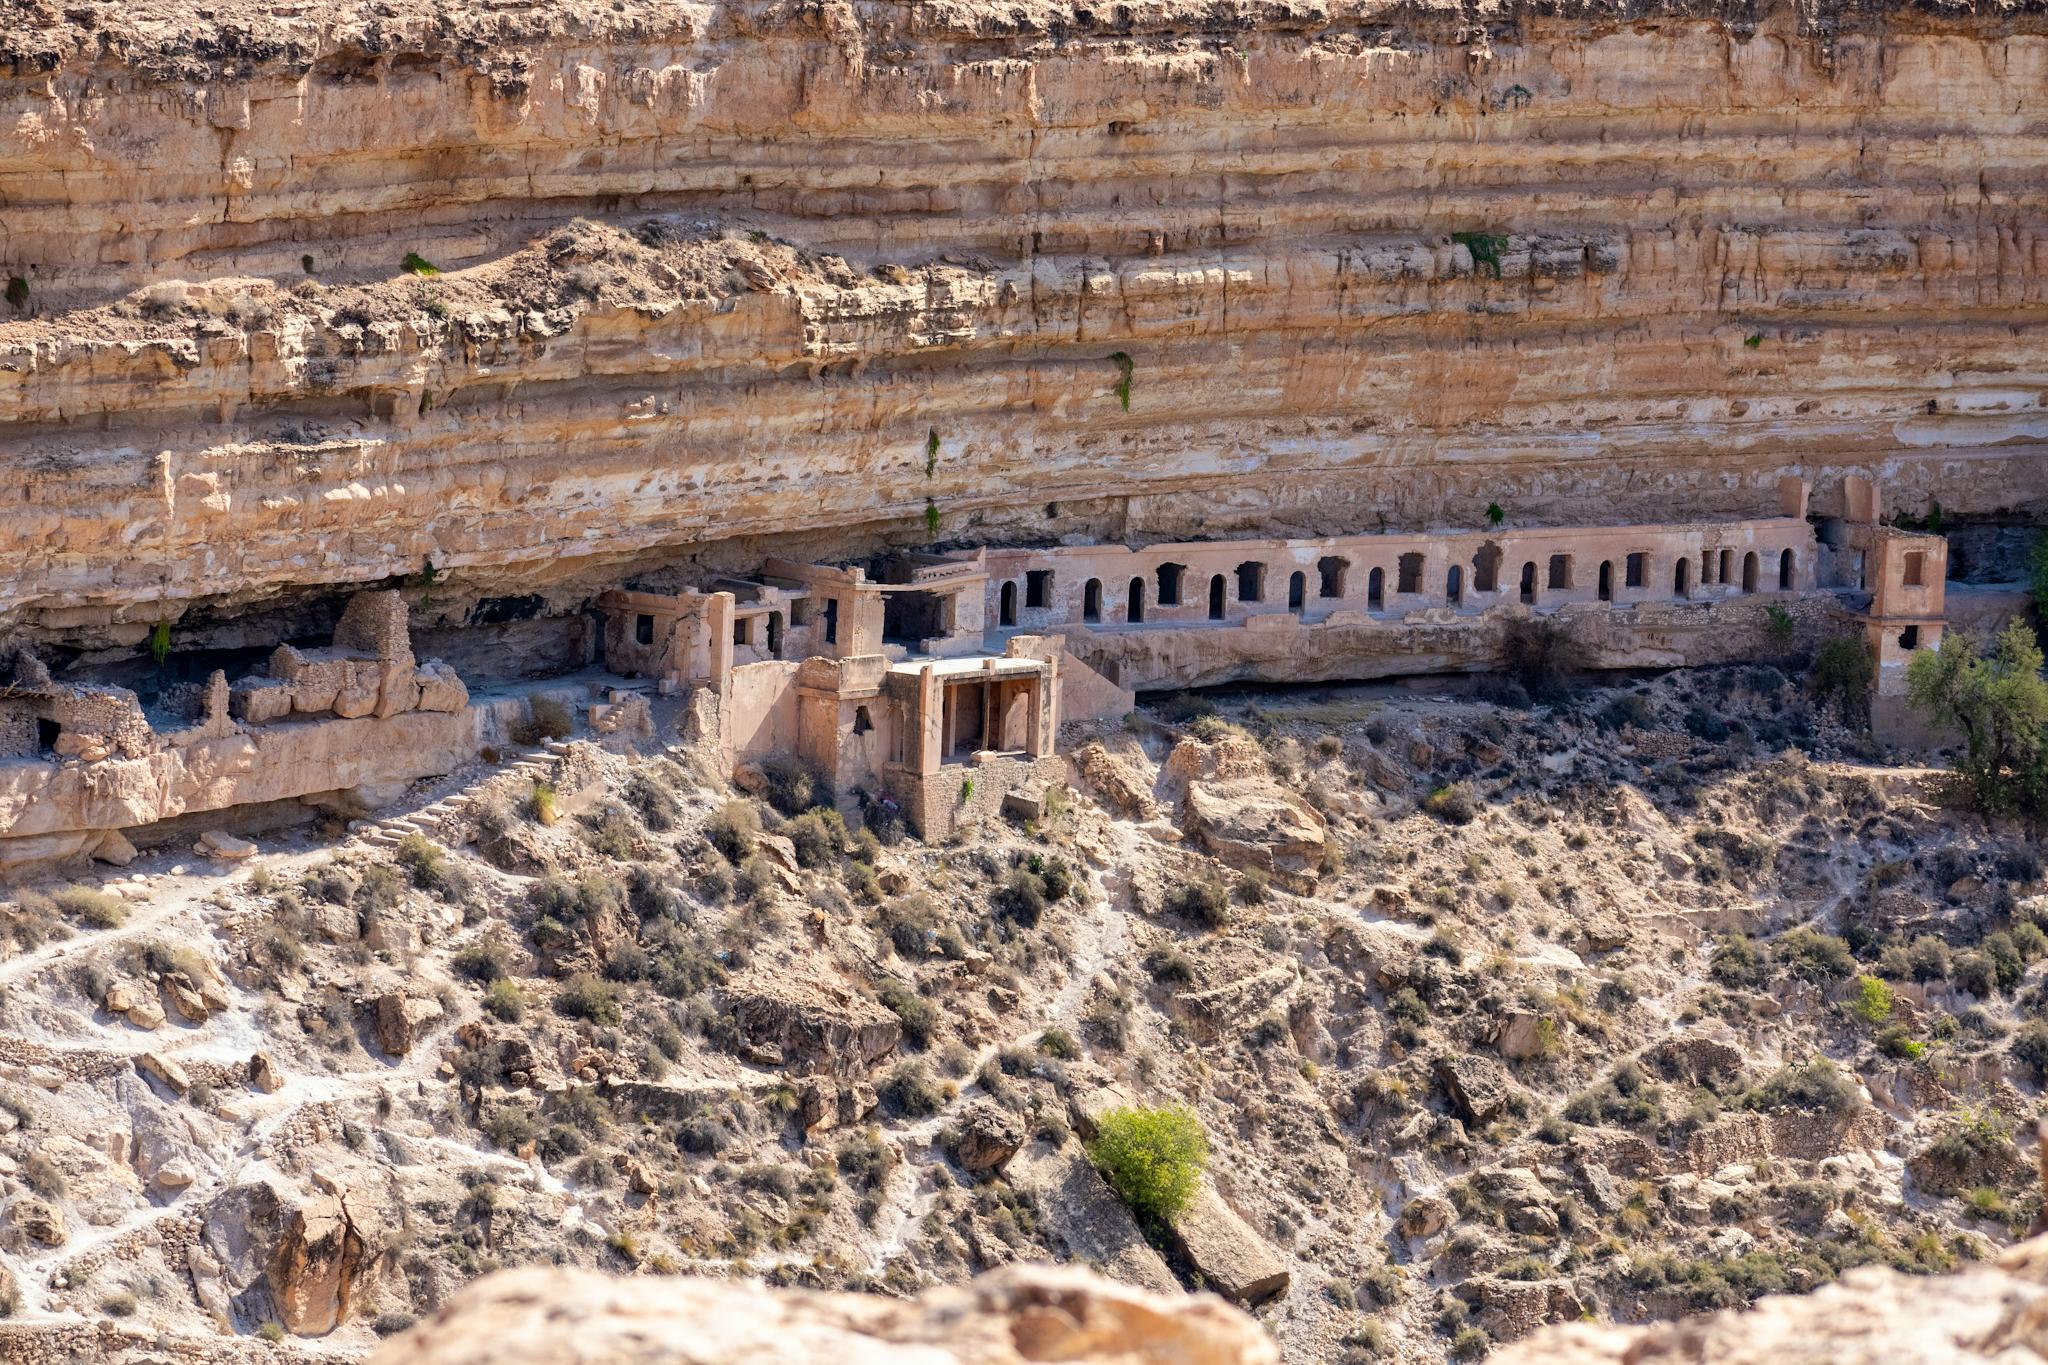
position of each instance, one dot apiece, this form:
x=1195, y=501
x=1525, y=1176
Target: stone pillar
x=718, y=613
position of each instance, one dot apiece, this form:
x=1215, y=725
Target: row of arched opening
x=1247, y=583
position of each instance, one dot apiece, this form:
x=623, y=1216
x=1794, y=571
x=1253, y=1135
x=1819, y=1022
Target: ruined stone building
x=936, y=682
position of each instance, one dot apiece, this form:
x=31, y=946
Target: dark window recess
x=643, y=629
x=1038, y=588
x=493, y=611
x=1638, y=570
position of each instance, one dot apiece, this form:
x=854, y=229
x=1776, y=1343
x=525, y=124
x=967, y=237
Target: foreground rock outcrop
x=1018, y=1314
x=1996, y=1312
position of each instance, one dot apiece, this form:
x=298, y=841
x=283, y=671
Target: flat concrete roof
x=974, y=665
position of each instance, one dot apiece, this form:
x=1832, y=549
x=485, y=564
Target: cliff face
x=1366, y=264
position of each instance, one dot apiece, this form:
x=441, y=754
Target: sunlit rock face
x=1163, y=271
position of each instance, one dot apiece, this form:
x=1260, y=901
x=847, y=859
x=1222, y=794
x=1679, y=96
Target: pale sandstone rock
x=399, y=1019
x=37, y=1221
x=218, y=843
x=1010, y=1316
x=1232, y=1258
x=164, y=1070
x=144, y=1011
x=1871, y=1316
x=986, y=1136
x=113, y=848
x=263, y=1073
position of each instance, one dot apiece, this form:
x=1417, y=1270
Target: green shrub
x=792, y=787
x=2030, y=1048
x=1842, y=672
x=1021, y=897
x=1736, y=962
x=732, y=829
x=1454, y=804
x=916, y=1013
x=483, y=961
x=1542, y=657
x=422, y=860
x=1201, y=899
x=546, y=719
x=1999, y=701
x=652, y=801
x=1814, y=955
x=586, y=997
x=504, y=1000
x=1815, y=1086
x=1152, y=1158
x=1871, y=1000
x=819, y=836
x=1927, y=958
x=100, y=909
x=911, y=1091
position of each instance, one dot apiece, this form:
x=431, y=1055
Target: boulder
x=986, y=1137
x=165, y=1071
x=1520, y=1035
x=218, y=843
x=440, y=688
x=302, y=1257
x=810, y=1024
x=823, y=1107
x=1427, y=1215
x=145, y=1011
x=1233, y=1260
x=1511, y=1309
x=400, y=1018
x=1089, y=1219
x=36, y=1221
x=113, y=848
x=1252, y=822
x=1477, y=1088
x=263, y=1073
x=1010, y=1316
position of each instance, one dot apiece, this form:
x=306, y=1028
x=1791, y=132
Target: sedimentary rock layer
x=1351, y=265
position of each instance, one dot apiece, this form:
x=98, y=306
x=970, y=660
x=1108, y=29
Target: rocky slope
x=1656, y=1000
x=1368, y=263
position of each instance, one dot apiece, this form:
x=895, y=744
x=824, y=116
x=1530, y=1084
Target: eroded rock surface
x=1010, y=1316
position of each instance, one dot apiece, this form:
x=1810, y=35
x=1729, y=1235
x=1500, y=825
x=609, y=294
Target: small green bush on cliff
x=1152, y=1158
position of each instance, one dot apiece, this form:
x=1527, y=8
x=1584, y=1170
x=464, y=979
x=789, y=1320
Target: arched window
x=1376, y=590
x=861, y=721
x=1749, y=572
x=1486, y=569
x=1606, y=580
x=1217, y=588
x=1681, y=577
x=1006, y=606
x=1297, y=591
x=1529, y=582
x=1330, y=570
x=1091, y=600
x=1785, y=571
x=1454, y=585
x=1134, y=609
x=1169, y=584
